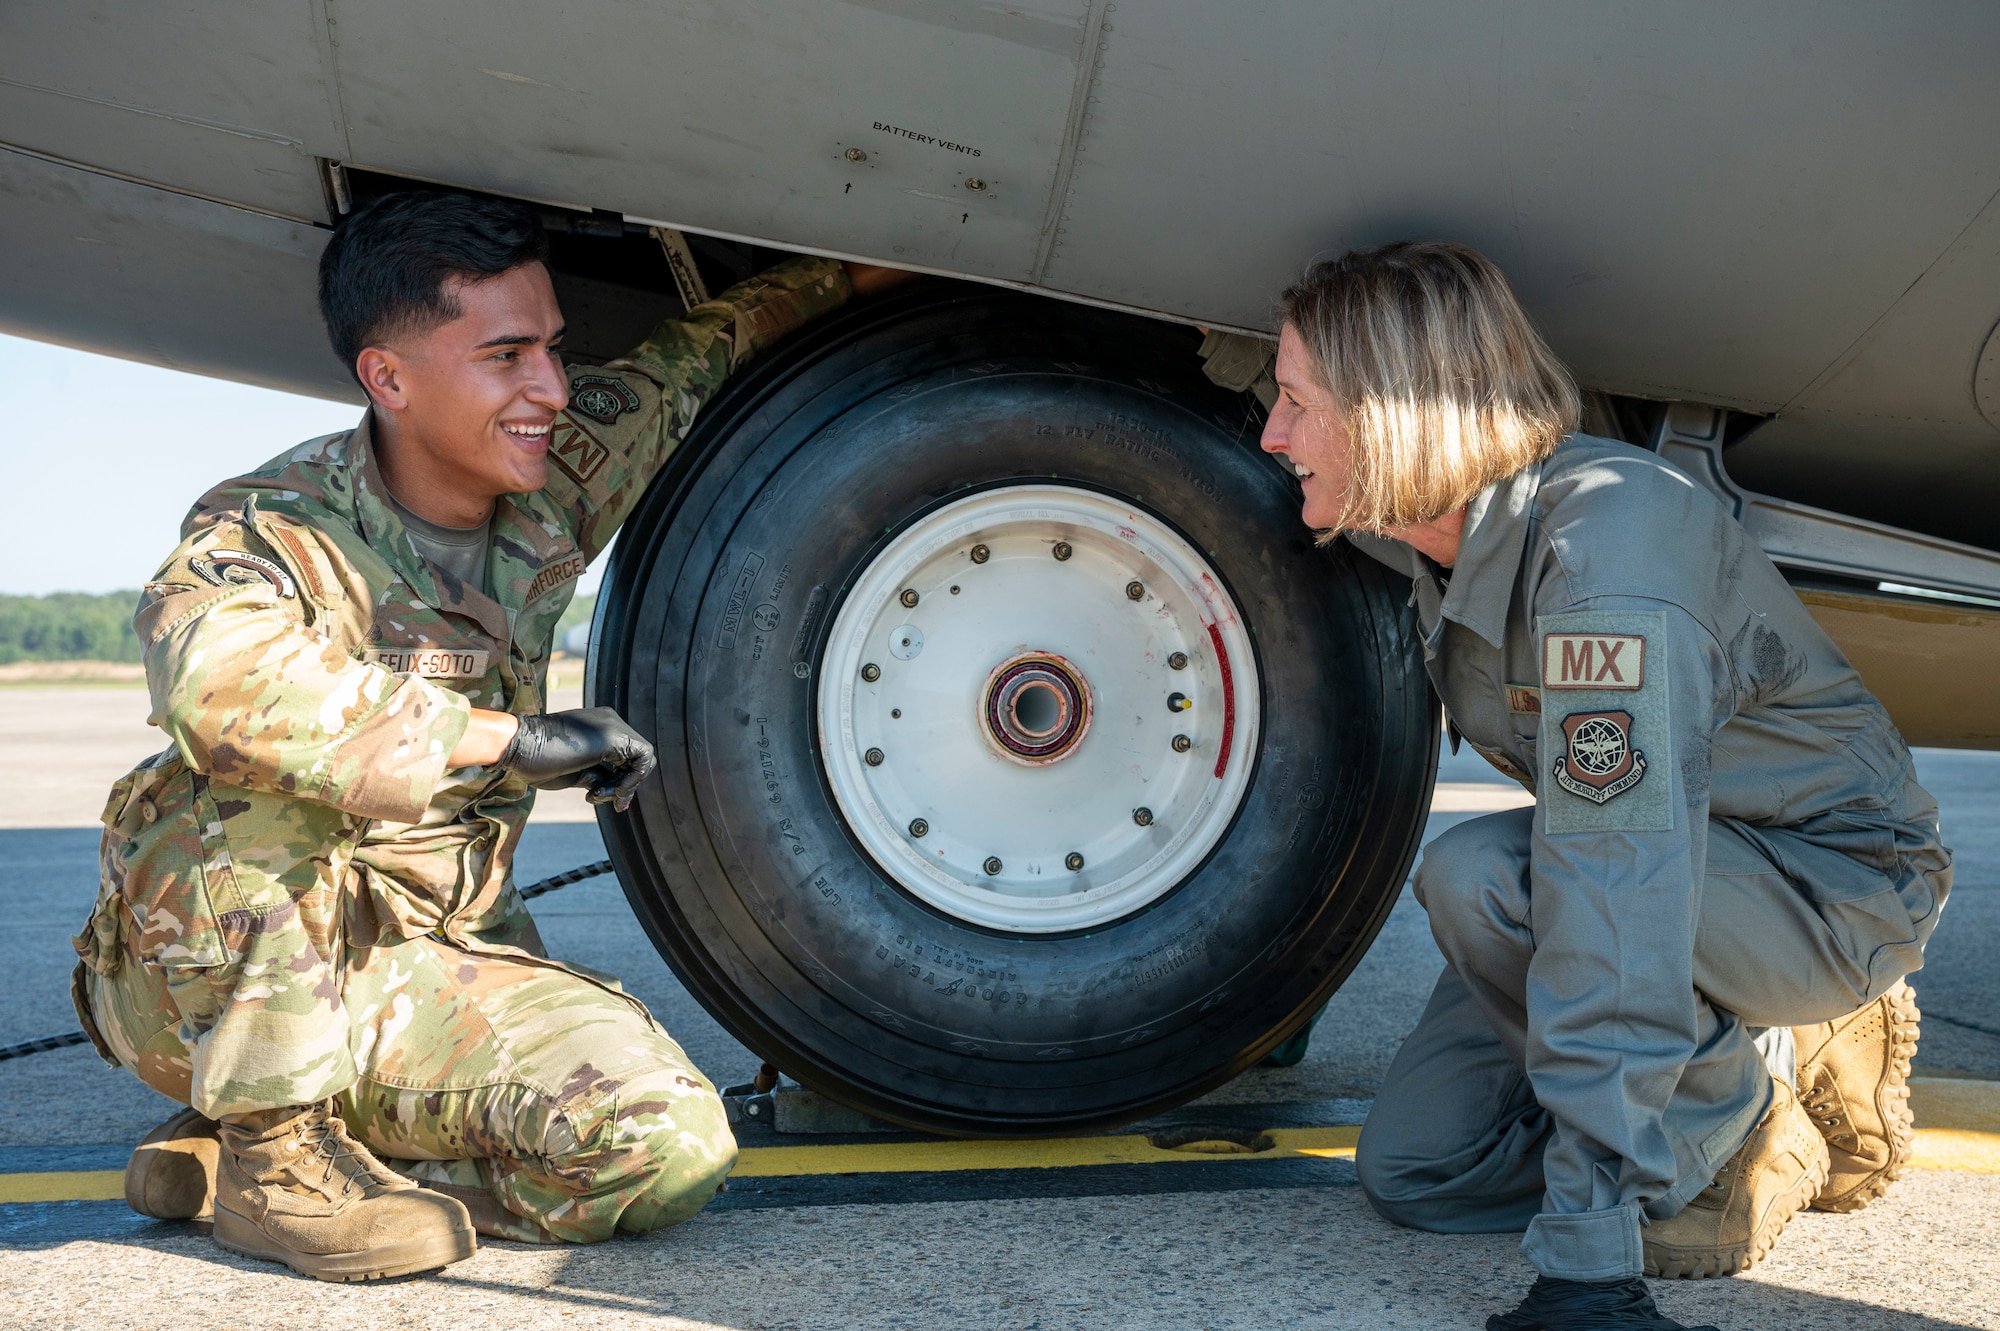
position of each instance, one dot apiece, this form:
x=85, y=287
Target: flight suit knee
x=1474, y=878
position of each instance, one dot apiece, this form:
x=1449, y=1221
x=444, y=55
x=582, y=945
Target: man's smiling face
x=470, y=402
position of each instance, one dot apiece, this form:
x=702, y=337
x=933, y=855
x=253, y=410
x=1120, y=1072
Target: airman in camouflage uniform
x=300, y=902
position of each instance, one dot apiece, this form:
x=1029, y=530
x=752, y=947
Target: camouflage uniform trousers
x=506, y=1077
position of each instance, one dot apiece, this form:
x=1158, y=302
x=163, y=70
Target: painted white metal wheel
x=1037, y=709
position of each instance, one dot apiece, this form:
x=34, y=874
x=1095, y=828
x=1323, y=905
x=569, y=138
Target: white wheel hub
x=1037, y=709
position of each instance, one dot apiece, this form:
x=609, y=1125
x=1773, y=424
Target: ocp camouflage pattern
x=298, y=900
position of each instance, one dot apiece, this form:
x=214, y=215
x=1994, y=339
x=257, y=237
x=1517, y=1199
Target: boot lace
x=1818, y=1102
x=323, y=1138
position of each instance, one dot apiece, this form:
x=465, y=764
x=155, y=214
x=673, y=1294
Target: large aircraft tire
x=1025, y=765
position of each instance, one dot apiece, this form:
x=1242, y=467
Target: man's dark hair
x=387, y=270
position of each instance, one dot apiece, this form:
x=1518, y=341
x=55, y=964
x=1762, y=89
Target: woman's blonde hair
x=1444, y=385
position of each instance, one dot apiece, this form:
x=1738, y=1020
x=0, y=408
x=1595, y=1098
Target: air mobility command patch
x=601, y=397
x=1599, y=762
x=1604, y=723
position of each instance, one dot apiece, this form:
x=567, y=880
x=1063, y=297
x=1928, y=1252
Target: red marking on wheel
x=1228, y=699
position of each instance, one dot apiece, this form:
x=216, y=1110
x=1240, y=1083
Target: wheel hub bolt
x=980, y=554
x=1072, y=861
x=871, y=672
x=1179, y=702
x=1062, y=550
x=1143, y=816
x=873, y=757
x=1182, y=744
x=992, y=865
x=918, y=827
x=1135, y=590
x=909, y=597
x=1178, y=661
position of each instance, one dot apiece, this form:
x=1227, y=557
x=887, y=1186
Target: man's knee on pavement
x=689, y=1155
x=649, y=1157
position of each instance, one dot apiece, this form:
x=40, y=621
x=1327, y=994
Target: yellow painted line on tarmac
x=1958, y=1128
x=947, y=1157
x=90, y=1185
x=1958, y=1124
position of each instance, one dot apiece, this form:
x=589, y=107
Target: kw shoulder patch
x=235, y=568
x=1604, y=723
x=601, y=397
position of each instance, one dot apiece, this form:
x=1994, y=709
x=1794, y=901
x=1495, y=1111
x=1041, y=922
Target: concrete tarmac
x=1254, y=1244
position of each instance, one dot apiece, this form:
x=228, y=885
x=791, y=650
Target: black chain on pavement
x=547, y=885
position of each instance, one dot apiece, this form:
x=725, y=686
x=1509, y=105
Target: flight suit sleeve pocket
x=1605, y=745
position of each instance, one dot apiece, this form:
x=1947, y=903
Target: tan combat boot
x=294, y=1187
x=171, y=1176
x=1733, y=1222
x=1854, y=1079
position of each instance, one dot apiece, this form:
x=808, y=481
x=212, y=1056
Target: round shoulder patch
x=235, y=567
x=601, y=397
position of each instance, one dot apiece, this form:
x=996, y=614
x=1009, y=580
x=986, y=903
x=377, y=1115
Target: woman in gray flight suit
x=1672, y=1013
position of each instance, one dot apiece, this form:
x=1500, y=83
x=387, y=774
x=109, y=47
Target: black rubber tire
x=739, y=864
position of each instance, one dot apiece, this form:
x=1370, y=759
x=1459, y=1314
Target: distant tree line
x=68, y=626
x=79, y=626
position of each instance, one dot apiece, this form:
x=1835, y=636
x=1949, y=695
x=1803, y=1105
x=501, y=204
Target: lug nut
x=1179, y=702
x=1143, y=817
x=980, y=554
x=1073, y=861
x=992, y=864
x=1062, y=550
x=1178, y=661
x=871, y=672
x=1135, y=590
x=908, y=598
x=918, y=827
x=873, y=757
x=1182, y=744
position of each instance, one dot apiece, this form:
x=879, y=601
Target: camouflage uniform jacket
x=297, y=645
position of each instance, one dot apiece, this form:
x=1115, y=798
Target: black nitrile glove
x=1587, y=1305
x=591, y=746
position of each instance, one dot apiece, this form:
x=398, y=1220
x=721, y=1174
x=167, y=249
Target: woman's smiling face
x=1306, y=428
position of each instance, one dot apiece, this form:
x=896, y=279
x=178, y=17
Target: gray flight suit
x=1727, y=835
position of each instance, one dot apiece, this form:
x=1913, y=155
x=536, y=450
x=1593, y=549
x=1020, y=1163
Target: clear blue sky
x=107, y=455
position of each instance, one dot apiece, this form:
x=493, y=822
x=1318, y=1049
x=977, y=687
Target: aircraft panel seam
x=1088, y=59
